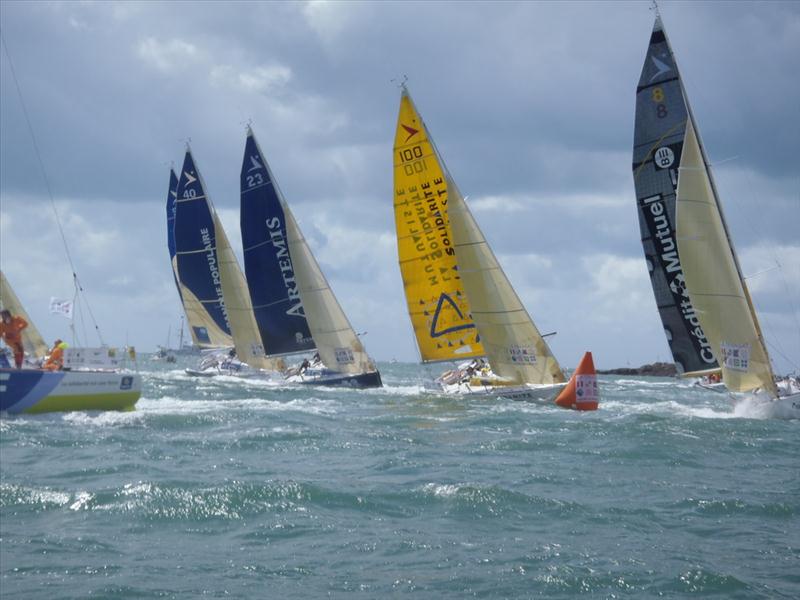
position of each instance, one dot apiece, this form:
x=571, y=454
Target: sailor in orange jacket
x=55, y=361
x=11, y=332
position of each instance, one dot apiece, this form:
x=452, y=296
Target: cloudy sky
x=531, y=105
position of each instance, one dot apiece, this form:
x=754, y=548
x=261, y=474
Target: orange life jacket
x=12, y=332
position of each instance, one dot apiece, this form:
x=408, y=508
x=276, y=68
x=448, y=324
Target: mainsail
x=271, y=276
x=282, y=261
x=661, y=116
x=514, y=347
x=440, y=312
x=197, y=262
x=32, y=340
x=714, y=279
x=172, y=206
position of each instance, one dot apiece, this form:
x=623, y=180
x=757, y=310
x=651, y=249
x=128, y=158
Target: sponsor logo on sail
x=735, y=356
x=522, y=354
x=663, y=236
x=211, y=257
x=278, y=240
x=410, y=130
x=660, y=65
x=664, y=157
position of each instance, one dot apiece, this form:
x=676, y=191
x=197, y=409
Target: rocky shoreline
x=659, y=369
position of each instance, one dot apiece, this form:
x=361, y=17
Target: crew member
x=11, y=332
x=55, y=361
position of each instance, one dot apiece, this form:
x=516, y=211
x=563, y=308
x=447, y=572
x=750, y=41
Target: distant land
x=658, y=369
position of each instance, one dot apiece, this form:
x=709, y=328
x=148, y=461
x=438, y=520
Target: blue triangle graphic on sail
x=435, y=321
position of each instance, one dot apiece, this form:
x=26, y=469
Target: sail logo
x=661, y=66
x=256, y=164
x=655, y=215
x=525, y=355
x=344, y=356
x=410, y=131
x=278, y=240
x=664, y=157
x=213, y=267
x=735, y=356
x=446, y=301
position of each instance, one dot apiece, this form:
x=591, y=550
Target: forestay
x=197, y=262
x=514, y=347
x=660, y=126
x=440, y=312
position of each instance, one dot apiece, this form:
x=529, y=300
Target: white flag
x=61, y=307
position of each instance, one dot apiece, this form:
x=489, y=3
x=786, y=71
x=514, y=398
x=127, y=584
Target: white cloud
x=166, y=56
x=257, y=80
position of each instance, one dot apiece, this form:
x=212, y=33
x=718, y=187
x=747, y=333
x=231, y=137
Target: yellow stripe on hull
x=124, y=401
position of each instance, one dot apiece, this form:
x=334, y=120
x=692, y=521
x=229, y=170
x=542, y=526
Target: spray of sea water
x=241, y=488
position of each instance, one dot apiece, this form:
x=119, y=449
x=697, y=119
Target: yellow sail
x=246, y=337
x=514, y=347
x=31, y=338
x=199, y=317
x=717, y=291
x=338, y=345
x=438, y=307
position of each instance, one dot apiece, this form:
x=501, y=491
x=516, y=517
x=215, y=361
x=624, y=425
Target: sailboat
x=719, y=300
x=294, y=306
x=210, y=276
x=459, y=299
x=659, y=133
x=34, y=390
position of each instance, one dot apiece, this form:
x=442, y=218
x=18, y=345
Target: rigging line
x=46, y=181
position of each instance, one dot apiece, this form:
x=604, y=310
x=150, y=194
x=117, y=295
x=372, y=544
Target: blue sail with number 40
x=197, y=262
x=660, y=128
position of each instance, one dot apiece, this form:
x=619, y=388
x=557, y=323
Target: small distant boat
x=85, y=387
x=460, y=301
x=718, y=302
x=294, y=306
x=205, y=256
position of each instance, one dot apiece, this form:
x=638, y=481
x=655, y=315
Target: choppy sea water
x=235, y=488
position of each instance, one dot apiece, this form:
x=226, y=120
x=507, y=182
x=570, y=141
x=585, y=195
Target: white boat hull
x=528, y=392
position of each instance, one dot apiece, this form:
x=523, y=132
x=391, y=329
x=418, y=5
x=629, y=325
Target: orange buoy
x=581, y=392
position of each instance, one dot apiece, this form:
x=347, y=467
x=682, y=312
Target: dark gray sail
x=661, y=115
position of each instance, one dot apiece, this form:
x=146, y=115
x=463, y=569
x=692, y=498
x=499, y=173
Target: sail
x=32, y=340
x=337, y=343
x=172, y=194
x=661, y=115
x=246, y=337
x=268, y=265
x=438, y=307
x=514, y=347
x=196, y=259
x=718, y=292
